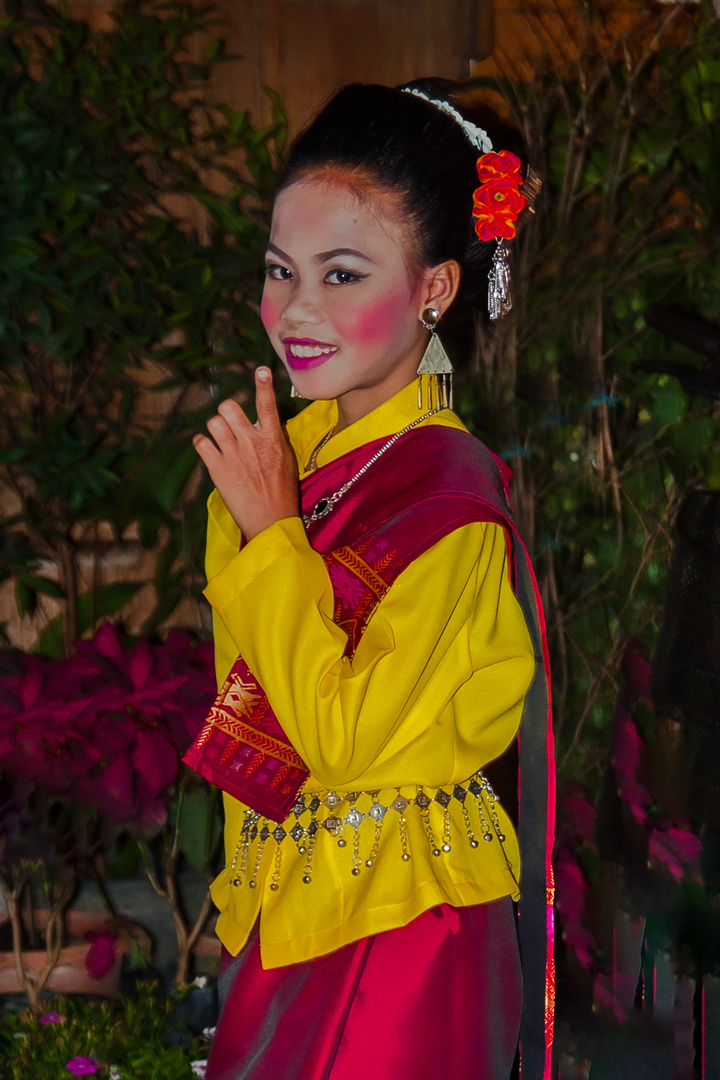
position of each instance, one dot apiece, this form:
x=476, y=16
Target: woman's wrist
x=261, y=523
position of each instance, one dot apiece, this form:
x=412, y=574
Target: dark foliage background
x=132, y=225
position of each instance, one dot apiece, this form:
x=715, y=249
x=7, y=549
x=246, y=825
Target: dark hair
x=402, y=143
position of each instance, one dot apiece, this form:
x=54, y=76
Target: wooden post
x=482, y=30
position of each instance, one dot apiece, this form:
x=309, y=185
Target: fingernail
x=263, y=373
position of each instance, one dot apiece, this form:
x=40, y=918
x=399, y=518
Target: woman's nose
x=302, y=305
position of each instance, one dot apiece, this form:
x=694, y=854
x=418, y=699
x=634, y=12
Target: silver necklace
x=323, y=506
x=312, y=463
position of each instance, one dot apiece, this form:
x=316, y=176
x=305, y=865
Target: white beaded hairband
x=475, y=134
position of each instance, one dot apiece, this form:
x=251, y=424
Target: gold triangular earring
x=436, y=365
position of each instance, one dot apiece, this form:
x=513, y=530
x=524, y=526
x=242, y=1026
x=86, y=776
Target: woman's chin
x=315, y=389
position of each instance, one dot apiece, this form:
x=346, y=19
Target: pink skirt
x=439, y=997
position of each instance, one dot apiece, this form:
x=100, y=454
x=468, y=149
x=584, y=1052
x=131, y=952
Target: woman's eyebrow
x=273, y=250
x=326, y=256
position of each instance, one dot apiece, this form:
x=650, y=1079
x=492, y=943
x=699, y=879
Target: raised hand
x=252, y=465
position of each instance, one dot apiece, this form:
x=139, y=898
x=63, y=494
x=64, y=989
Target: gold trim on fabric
x=350, y=559
x=258, y=740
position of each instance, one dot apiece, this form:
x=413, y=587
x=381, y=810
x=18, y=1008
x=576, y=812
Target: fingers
x=207, y=449
x=234, y=416
x=231, y=426
x=224, y=428
x=265, y=403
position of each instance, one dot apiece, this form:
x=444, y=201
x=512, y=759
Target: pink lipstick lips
x=303, y=354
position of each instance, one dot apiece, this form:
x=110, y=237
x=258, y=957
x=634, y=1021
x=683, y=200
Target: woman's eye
x=342, y=277
x=277, y=273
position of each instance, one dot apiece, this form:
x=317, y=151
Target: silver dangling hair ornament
x=500, y=277
x=436, y=365
x=499, y=297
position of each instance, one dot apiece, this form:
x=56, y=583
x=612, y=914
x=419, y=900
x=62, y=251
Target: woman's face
x=341, y=304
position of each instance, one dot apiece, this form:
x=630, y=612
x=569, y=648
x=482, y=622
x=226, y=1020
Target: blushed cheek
x=375, y=322
x=269, y=312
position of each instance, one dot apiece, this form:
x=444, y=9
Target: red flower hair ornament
x=498, y=203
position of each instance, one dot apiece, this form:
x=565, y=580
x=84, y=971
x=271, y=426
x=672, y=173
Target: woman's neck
x=355, y=404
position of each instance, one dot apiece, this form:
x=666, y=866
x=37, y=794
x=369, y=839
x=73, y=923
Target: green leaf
x=92, y=606
x=13, y=454
x=44, y=585
x=213, y=50
x=199, y=827
x=68, y=200
x=25, y=598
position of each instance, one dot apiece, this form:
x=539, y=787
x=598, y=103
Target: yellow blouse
x=434, y=690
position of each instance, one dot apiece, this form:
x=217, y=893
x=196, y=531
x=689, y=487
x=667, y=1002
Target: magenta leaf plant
x=107, y=727
x=91, y=748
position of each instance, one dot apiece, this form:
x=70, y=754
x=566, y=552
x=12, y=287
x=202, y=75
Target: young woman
x=378, y=637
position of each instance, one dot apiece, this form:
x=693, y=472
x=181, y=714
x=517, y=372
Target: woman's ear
x=440, y=285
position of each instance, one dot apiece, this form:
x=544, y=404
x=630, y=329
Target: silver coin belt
x=342, y=818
